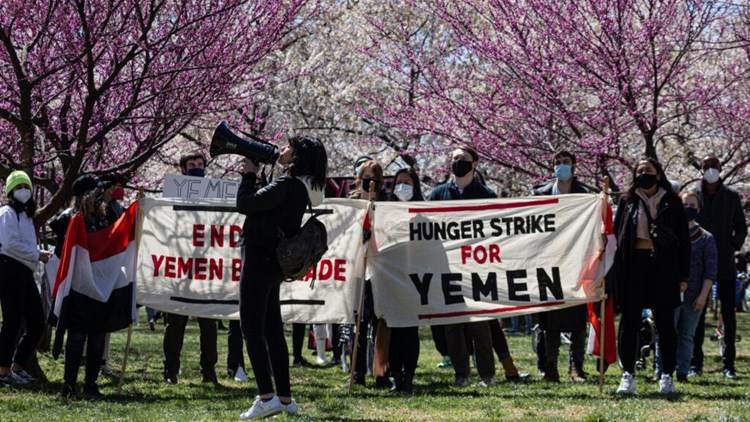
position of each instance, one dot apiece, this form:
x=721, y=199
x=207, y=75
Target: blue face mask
x=196, y=172
x=563, y=172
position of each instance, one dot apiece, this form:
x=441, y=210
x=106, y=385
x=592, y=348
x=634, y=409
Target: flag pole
x=139, y=221
x=358, y=314
x=602, y=309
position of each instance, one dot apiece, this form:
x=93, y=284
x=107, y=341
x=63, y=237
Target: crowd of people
x=674, y=246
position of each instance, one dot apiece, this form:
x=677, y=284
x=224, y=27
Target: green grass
x=322, y=394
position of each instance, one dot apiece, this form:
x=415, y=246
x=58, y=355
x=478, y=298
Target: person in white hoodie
x=19, y=296
x=273, y=212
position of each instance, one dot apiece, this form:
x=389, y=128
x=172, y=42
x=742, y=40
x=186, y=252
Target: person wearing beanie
x=19, y=297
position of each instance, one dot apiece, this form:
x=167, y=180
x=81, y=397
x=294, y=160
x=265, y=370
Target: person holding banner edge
x=652, y=265
x=465, y=185
x=193, y=164
x=272, y=211
x=573, y=319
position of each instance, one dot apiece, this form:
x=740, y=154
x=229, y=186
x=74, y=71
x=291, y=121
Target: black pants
x=299, y=332
x=364, y=327
x=499, y=342
x=438, y=336
x=727, y=290
x=235, y=356
x=403, y=352
x=20, y=301
x=644, y=269
x=260, y=315
x=577, y=351
x=74, y=352
x=174, y=334
x=480, y=335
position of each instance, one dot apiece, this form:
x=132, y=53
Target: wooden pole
x=358, y=314
x=602, y=309
x=139, y=222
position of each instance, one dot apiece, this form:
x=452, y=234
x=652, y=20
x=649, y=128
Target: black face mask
x=196, y=172
x=366, y=185
x=645, y=181
x=691, y=213
x=461, y=168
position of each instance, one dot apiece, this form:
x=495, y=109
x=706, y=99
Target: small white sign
x=194, y=188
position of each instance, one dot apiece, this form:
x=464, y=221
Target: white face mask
x=22, y=195
x=404, y=192
x=711, y=175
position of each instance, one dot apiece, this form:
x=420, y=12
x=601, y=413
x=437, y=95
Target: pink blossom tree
x=102, y=86
x=609, y=80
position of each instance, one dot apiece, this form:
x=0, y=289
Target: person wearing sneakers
x=652, y=262
x=19, y=296
x=703, y=270
x=275, y=209
x=573, y=319
x=321, y=337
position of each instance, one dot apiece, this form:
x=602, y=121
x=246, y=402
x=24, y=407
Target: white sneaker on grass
x=291, y=407
x=627, y=384
x=262, y=409
x=25, y=375
x=12, y=378
x=322, y=360
x=240, y=375
x=666, y=385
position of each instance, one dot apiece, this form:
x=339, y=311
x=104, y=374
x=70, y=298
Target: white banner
x=454, y=261
x=193, y=188
x=190, y=261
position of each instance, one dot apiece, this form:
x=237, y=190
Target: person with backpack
x=273, y=213
x=651, y=263
x=19, y=296
x=467, y=184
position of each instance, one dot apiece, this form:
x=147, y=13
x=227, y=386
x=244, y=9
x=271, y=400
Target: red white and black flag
x=95, y=283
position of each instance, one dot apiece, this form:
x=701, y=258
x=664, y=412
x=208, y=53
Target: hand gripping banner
x=190, y=261
x=447, y=262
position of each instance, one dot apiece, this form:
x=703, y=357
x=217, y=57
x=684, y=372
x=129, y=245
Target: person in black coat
x=273, y=211
x=651, y=267
x=573, y=319
x=722, y=215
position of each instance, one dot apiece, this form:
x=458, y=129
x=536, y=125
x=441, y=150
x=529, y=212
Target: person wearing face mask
x=703, y=268
x=466, y=185
x=404, y=347
x=19, y=296
x=370, y=178
x=193, y=164
x=722, y=215
x=651, y=267
x=573, y=319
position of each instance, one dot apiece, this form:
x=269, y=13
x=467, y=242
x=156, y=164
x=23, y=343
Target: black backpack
x=297, y=254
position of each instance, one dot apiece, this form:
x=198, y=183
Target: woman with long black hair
x=653, y=259
x=273, y=211
x=404, y=347
x=19, y=296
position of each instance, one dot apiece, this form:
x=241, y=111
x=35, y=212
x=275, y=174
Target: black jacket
x=575, y=317
x=449, y=191
x=272, y=211
x=723, y=216
x=673, y=264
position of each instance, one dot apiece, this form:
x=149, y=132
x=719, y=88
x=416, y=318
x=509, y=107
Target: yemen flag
x=95, y=284
x=610, y=347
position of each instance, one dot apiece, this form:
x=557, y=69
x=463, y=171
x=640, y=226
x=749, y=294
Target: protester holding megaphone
x=273, y=212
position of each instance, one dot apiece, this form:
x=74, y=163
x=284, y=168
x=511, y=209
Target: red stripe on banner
x=76, y=230
x=490, y=311
x=114, y=239
x=508, y=205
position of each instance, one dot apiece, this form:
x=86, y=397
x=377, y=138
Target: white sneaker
x=322, y=360
x=240, y=375
x=290, y=408
x=261, y=409
x=12, y=378
x=666, y=385
x=25, y=375
x=627, y=384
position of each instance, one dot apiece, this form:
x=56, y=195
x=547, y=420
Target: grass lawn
x=322, y=394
